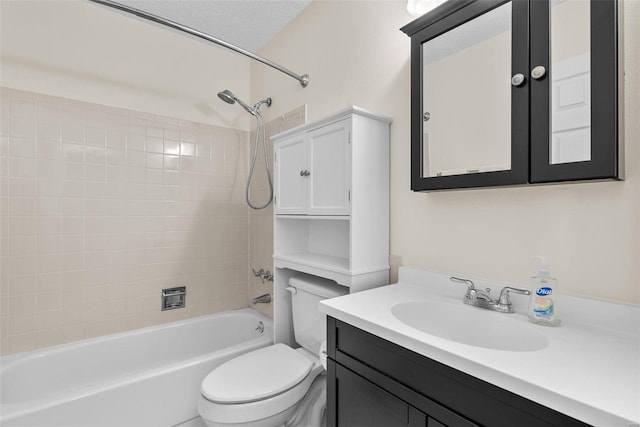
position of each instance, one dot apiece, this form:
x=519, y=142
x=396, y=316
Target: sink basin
x=470, y=325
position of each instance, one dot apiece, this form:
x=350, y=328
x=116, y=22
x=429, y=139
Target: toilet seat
x=256, y=376
x=223, y=401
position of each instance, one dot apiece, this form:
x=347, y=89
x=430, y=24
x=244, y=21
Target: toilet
x=276, y=385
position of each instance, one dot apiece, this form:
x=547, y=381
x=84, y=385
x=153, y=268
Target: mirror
x=570, y=88
x=464, y=134
x=514, y=92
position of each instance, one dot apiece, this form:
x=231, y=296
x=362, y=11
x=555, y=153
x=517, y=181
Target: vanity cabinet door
x=360, y=403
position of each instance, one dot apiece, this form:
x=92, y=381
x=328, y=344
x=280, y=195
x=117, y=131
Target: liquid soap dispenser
x=543, y=306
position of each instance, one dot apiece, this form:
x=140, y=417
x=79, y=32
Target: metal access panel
x=173, y=298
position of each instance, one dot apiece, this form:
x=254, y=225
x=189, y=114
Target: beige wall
x=101, y=208
x=590, y=232
x=79, y=50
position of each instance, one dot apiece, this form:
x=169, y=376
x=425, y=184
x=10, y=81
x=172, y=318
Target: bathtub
x=145, y=377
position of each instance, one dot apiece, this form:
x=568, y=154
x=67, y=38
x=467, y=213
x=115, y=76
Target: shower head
x=228, y=97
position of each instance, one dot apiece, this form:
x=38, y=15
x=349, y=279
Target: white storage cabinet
x=331, y=205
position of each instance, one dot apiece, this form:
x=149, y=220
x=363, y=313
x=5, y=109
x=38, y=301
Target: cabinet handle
x=538, y=72
x=305, y=173
x=517, y=80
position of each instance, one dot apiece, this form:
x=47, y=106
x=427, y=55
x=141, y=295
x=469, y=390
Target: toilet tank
x=309, y=324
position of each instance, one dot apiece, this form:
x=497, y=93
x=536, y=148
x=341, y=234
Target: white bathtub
x=145, y=377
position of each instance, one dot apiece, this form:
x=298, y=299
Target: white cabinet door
x=330, y=169
x=291, y=184
x=313, y=172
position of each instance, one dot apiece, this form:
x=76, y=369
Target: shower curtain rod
x=303, y=79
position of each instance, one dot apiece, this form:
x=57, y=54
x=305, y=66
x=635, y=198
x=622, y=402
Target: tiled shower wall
x=101, y=208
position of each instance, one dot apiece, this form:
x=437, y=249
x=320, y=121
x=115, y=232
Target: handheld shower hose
x=228, y=97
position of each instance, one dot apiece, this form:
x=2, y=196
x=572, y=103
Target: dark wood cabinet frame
x=530, y=102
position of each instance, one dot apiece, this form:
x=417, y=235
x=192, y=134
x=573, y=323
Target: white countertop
x=590, y=369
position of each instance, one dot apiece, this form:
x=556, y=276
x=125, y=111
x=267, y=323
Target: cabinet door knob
x=517, y=80
x=538, y=72
x=305, y=173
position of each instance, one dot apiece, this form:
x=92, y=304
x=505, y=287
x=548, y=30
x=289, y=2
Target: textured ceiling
x=248, y=24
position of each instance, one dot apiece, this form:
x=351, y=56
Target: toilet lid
x=256, y=375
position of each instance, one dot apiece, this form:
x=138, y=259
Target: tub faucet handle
x=260, y=327
x=263, y=275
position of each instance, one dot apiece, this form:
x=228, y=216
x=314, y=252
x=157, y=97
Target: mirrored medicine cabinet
x=514, y=92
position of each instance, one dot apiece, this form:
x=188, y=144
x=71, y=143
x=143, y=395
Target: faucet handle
x=504, y=303
x=468, y=282
x=471, y=295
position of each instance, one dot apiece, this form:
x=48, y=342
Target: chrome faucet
x=263, y=275
x=482, y=297
x=262, y=299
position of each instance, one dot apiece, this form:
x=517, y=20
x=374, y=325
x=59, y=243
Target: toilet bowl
x=275, y=385
x=260, y=388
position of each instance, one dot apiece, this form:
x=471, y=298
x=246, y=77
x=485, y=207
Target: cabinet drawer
x=461, y=393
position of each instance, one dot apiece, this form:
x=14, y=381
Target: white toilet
x=276, y=385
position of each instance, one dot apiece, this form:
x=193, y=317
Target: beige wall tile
x=104, y=207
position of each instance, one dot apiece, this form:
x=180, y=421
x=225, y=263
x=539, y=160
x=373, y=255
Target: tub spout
x=262, y=299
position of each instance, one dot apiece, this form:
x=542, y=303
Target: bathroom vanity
x=377, y=383
x=414, y=354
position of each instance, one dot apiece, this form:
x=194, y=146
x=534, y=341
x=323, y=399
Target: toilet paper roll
x=322, y=354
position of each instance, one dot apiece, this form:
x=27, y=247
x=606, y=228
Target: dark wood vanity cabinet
x=373, y=382
x=363, y=403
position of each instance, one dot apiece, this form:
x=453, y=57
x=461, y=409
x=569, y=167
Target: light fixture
x=420, y=7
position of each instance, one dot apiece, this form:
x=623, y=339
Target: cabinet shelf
x=327, y=217
x=327, y=262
